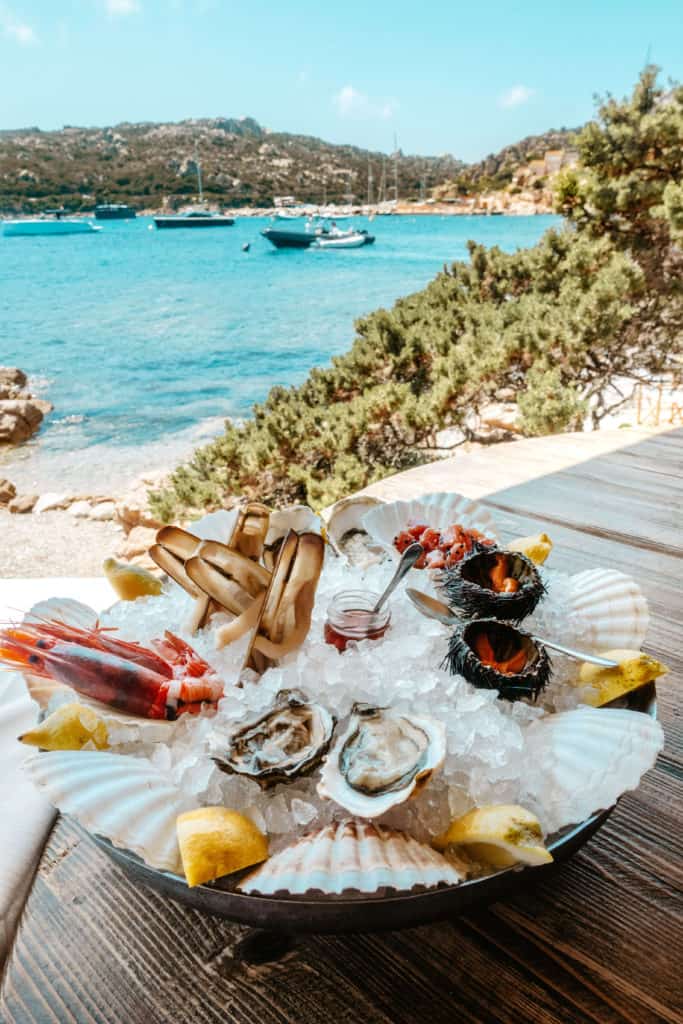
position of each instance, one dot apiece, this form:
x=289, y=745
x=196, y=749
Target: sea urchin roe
x=442, y=548
x=500, y=578
x=508, y=666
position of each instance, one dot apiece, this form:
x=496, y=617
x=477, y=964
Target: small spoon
x=408, y=560
x=434, y=609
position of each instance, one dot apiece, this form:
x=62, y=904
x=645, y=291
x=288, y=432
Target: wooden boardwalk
x=599, y=941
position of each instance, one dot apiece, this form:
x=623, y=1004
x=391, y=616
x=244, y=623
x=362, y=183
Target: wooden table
x=600, y=941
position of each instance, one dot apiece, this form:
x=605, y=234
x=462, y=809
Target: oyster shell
x=351, y=856
x=470, y=588
x=346, y=533
x=383, y=759
x=486, y=651
x=287, y=741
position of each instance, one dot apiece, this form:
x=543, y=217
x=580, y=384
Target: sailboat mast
x=395, y=168
x=199, y=174
x=369, y=183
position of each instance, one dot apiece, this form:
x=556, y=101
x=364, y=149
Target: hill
x=500, y=170
x=243, y=164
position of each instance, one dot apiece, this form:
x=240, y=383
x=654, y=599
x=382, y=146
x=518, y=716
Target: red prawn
x=164, y=682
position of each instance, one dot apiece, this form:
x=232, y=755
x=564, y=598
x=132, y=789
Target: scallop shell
x=611, y=607
x=581, y=761
x=215, y=525
x=63, y=609
x=126, y=799
x=351, y=856
x=440, y=510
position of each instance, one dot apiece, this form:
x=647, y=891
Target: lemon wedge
x=130, y=581
x=498, y=835
x=634, y=669
x=215, y=841
x=536, y=548
x=70, y=727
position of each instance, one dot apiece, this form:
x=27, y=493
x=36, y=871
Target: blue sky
x=464, y=78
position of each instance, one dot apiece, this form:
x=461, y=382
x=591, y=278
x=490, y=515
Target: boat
x=114, y=211
x=345, y=240
x=194, y=219
x=293, y=238
x=197, y=218
x=57, y=224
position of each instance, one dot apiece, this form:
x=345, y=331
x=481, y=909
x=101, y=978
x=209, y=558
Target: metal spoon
x=408, y=560
x=434, y=609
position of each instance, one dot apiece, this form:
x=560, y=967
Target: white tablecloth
x=25, y=815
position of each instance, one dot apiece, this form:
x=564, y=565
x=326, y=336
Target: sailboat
x=198, y=218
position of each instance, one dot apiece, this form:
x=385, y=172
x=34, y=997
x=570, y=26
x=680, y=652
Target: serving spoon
x=408, y=560
x=434, y=609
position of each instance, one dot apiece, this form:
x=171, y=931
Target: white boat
x=350, y=240
x=44, y=226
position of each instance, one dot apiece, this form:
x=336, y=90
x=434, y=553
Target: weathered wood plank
x=599, y=941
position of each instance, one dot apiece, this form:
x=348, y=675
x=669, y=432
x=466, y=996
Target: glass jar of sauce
x=350, y=617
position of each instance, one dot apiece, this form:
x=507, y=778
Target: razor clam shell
x=582, y=761
x=439, y=510
x=612, y=609
x=125, y=799
x=333, y=785
x=351, y=856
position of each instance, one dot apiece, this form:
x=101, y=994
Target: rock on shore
x=20, y=412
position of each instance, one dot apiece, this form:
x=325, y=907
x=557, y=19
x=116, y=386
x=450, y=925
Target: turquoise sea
x=145, y=341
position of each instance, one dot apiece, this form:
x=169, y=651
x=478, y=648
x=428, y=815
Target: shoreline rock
x=21, y=414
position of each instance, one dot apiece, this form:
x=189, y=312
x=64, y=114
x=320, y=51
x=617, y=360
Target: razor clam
x=289, y=740
x=383, y=759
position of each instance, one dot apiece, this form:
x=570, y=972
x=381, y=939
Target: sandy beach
x=55, y=544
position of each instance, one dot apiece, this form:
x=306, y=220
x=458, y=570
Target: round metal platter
x=366, y=912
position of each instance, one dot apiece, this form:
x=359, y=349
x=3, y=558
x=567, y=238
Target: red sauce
x=357, y=624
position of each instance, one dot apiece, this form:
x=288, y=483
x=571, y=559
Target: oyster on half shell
x=383, y=759
x=287, y=741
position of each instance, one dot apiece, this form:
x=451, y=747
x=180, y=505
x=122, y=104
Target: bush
x=599, y=300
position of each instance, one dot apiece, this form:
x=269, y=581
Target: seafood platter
x=252, y=730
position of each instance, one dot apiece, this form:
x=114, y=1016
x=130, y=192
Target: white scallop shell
x=440, y=510
x=581, y=761
x=611, y=608
x=351, y=856
x=295, y=517
x=125, y=799
x=215, y=525
x=63, y=609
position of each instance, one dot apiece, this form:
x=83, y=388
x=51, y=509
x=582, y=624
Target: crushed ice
x=486, y=757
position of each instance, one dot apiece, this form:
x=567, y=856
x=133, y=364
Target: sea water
x=145, y=341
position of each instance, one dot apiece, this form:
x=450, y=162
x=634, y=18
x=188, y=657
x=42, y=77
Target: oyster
x=384, y=758
x=347, y=534
x=494, y=655
x=288, y=741
x=491, y=582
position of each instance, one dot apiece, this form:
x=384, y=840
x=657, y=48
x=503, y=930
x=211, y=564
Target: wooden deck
x=598, y=942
